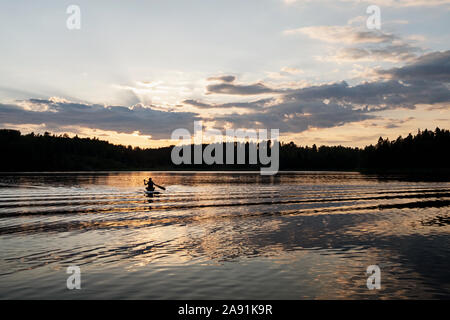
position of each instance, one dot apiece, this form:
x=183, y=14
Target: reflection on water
x=223, y=235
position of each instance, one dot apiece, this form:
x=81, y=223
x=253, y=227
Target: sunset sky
x=137, y=70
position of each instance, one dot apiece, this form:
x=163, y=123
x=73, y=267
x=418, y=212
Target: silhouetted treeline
x=34, y=152
x=426, y=150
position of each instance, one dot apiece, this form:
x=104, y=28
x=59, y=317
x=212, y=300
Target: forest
x=426, y=151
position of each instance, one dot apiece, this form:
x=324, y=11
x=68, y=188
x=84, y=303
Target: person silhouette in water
x=151, y=185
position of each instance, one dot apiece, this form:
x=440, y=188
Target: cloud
x=291, y=70
x=199, y=104
x=365, y=45
x=377, y=95
x=335, y=104
x=146, y=120
x=425, y=80
x=342, y=34
x=222, y=78
x=239, y=89
x=397, y=123
x=291, y=116
x=391, y=53
x=284, y=72
x=433, y=66
x=254, y=105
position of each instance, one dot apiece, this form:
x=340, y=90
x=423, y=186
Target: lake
x=223, y=235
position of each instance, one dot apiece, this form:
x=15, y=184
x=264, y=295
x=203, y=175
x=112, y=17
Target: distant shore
x=428, y=152
x=419, y=171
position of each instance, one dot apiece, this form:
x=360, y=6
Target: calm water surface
x=239, y=235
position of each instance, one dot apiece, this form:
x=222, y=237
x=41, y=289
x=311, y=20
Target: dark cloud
x=199, y=104
x=222, y=78
x=396, y=123
x=237, y=89
x=297, y=117
x=148, y=121
x=258, y=104
x=423, y=81
x=433, y=66
x=388, y=52
x=386, y=94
